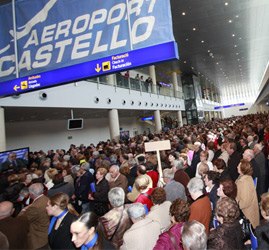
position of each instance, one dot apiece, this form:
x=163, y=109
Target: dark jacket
x=82, y=186
x=262, y=234
x=64, y=187
x=100, y=202
x=226, y=237
x=61, y=238
x=233, y=162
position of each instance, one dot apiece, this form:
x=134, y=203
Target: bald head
x=6, y=209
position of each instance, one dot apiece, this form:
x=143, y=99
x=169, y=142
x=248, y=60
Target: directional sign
x=107, y=65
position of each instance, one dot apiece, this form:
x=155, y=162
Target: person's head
x=227, y=188
x=231, y=148
x=136, y=212
x=245, y=168
x=100, y=173
x=250, y=138
x=141, y=170
x=12, y=156
x=13, y=178
x=57, y=203
x=83, y=229
x=227, y=210
x=257, y=148
x=195, y=187
x=248, y=154
x=178, y=164
x=142, y=182
x=172, y=156
x=58, y=179
x=179, y=211
x=85, y=166
x=194, y=236
x=219, y=165
x=264, y=206
x=158, y=196
x=168, y=175
x=116, y=197
x=6, y=209
x=243, y=142
x=203, y=156
x=36, y=190
x=50, y=173
x=211, y=178
x=114, y=171
x=203, y=168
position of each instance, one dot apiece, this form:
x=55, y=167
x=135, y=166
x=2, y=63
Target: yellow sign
x=24, y=85
x=106, y=66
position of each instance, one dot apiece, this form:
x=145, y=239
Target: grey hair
x=195, y=185
x=179, y=164
x=194, y=236
x=168, y=173
x=136, y=211
x=116, y=197
x=116, y=167
x=36, y=189
x=249, y=152
x=258, y=146
x=85, y=166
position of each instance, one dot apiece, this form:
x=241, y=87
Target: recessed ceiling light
x=237, y=53
x=217, y=63
x=183, y=13
x=237, y=16
x=233, y=35
x=226, y=3
x=185, y=62
x=187, y=39
x=202, y=41
x=194, y=29
x=230, y=21
x=235, y=46
x=208, y=51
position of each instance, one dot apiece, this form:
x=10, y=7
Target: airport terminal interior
x=134, y=124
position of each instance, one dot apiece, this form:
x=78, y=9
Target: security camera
x=43, y=95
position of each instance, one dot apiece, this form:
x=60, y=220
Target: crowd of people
x=112, y=195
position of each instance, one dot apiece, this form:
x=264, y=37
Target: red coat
x=154, y=177
x=144, y=198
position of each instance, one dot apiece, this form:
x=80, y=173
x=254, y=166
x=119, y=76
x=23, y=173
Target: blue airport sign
x=107, y=65
x=229, y=106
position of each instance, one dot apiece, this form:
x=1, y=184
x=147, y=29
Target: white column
x=175, y=83
x=114, y=126
x=111, y=79
x=209, y=115
x=2, y=130
x=153, y=77
x=157, y=119
x=179, y=118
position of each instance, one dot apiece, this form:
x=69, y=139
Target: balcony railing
x=133, y=84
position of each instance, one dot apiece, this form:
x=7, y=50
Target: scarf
x=55, y=218
x=91, y=243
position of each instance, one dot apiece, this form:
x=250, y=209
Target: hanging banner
x=53, y=34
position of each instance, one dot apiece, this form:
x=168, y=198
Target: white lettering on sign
x=78, y=38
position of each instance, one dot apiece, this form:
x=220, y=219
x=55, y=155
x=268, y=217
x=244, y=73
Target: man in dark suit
x=15, y=229
x=234, y=160
x=12, y=163
x=37, y=217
